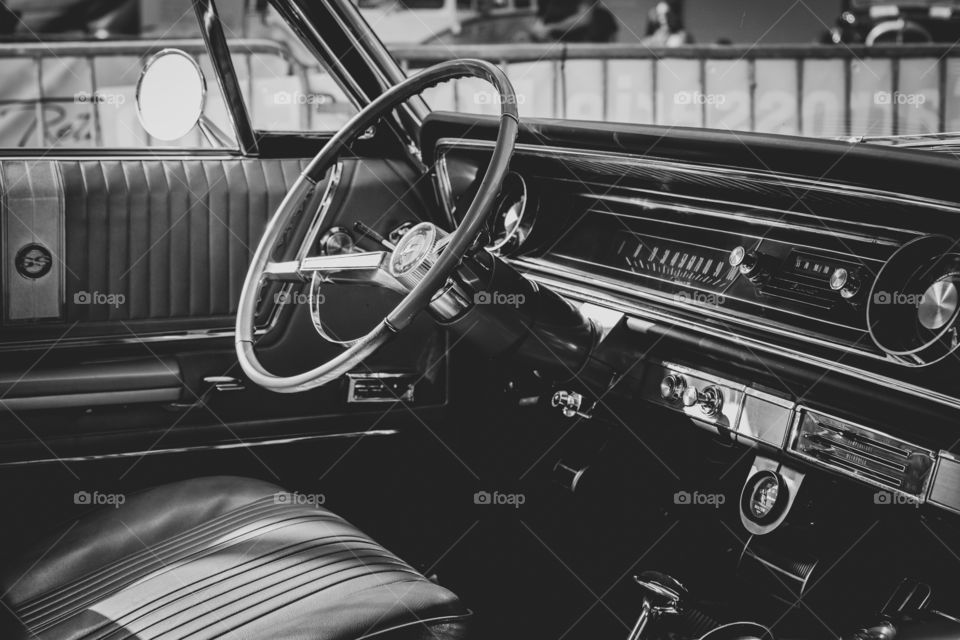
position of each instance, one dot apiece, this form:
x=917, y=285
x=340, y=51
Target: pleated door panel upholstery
x=172, y=237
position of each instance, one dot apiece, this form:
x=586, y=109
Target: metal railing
x=810, y=90
x=807, y=90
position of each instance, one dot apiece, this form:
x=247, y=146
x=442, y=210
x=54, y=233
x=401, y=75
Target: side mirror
x=171, y=95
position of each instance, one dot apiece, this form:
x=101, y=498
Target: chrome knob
x=847, y=282
x=672, y=387
x=710, y=399
x=336, y=241
x=749, y=263
x=938, y=305
x=690, y=396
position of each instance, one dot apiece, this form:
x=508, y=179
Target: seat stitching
x=216, y=522
x=157, y=566
x=236, y=571
x=148, y=561
x=190, y=537
x=256, y=585
x=199, y=619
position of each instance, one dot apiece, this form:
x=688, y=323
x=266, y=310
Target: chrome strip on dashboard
x=537, y=263
x=649, y=315
x=651, y=203
x=779, y=181
x=550, y=269
x=798, y=416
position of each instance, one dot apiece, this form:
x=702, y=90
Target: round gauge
x=764, y=497
x=913, y=312
x=513, y=219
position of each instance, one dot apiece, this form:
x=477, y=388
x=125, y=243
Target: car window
x=70, y=69
x=822, y=68
x=283, y=85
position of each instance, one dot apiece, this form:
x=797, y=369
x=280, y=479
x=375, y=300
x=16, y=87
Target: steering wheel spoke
x=367, y=267
x=283, y=271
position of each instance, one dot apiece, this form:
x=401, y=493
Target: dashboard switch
x=672, y=387
x=710, y=399
x=750, y=263
x=846, y=281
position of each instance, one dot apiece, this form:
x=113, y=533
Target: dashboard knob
x=336, y=241
x=672, y=387
x=710, y=399
x=690, y=396
x=749, y=263
x=938, y=305
x=847, y=281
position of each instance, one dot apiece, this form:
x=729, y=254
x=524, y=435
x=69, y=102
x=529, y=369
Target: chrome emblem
x=33, y=261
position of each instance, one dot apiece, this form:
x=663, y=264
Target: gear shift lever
x=663, y=594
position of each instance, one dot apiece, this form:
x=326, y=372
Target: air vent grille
x=863, y=453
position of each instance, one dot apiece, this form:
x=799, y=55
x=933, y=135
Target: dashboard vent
x=854, y=450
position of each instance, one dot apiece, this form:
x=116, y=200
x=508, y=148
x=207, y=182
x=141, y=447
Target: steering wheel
x=420, y=264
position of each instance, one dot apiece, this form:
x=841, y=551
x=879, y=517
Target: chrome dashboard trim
x=669, y=299
x=778, y=224
x=649, y=316
x=802, y=410
x=948, y=483
x=700, y=170
x=549, y=268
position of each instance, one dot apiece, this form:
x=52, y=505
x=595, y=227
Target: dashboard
x=769, y=257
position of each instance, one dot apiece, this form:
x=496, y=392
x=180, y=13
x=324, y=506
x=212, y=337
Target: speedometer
x=684, y=263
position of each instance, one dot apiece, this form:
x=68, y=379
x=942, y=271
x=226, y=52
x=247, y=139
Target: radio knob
x=749, y=263
x=710, y=399
x=672, y=387
x=847, y=282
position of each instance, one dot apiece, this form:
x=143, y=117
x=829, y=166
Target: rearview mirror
x=171, y=95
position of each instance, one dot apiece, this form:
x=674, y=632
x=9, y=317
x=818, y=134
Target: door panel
x=145, y=253
x=154, y=244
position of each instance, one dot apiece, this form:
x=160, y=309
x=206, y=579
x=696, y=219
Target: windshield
x=819, y=68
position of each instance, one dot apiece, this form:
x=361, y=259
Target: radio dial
x=847, y=282
x=749, y=263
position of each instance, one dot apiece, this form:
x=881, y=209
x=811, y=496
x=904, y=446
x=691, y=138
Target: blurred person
x=573, y=21
x=665, y=25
